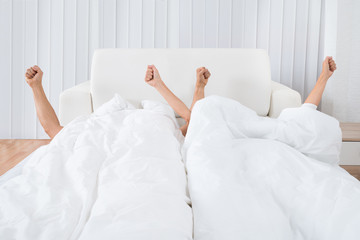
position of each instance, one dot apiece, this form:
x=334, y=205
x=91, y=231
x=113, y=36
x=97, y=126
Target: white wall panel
x=185, y=24
x=237, y=23
x=263, y=24
x=94, y=31
x=211, y=23
x=161, y=16
x=135, y=16
x=6, y=68
x=224, y=28
x=250, y=24
x=198, y=23
x=44, y=51
x=82, y=40
x=275, y=38
x=301, y=30
x=57, y=53
x=30, y=57
x=312, y=45
x=122, y=26
x=109, y=16
x=61, y=36
x=342, y=98
x=17, y=81
x=173, y=23
x=288, y=39
x=148, y=24
x=70, y=31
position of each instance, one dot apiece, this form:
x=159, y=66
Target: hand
x=328, y=67
x=202, y=76
x=152, y=76
x=33, y=76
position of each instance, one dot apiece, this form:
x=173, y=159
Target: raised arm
x=202, y=77
x=328, y=68
x=153, y=78
x=44, y=110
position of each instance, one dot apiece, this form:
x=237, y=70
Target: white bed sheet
x=259, y=178
x=117, y=174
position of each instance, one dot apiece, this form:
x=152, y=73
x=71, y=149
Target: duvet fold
x=117, y=174
x=253, y=177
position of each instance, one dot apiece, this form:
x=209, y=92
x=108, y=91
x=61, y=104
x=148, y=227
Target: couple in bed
x=51, y=124
x=122, y=173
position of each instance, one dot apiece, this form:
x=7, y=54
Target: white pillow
x=115, y=104
x=160, y=107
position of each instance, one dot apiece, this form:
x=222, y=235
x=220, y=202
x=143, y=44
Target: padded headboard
x=241, y=74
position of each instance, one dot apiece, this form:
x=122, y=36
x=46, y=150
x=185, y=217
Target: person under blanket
x=153, y=78
x=51, y=124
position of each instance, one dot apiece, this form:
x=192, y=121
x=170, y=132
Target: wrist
x=35, y=85
x=37, y=88
x=159, y=84
x=323, y=78
x=200, y=86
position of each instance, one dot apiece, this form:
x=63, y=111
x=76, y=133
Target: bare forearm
x=178, y=106
x=316, y=94
x=198, y=94
x=45, y=112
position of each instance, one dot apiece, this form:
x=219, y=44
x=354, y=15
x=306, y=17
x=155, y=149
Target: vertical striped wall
x=61, y=35
x=291, y=30
x=52, y=34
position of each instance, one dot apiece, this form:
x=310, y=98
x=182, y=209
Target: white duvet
x=117, y=174
x=259, y=178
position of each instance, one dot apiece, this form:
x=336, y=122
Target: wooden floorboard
x=13, y=151
x=354, y=170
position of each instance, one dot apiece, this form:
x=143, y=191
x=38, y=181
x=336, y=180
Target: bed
x=120, y=168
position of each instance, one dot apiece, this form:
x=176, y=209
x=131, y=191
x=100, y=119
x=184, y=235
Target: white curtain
x=342, y=95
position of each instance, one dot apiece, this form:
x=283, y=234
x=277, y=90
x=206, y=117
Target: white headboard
x=241, y=74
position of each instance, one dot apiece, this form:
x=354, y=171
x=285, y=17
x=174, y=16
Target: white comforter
x=259, y=178
x=117, y=174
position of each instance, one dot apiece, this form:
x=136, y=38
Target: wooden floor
x=353, y=170
x=14, y=151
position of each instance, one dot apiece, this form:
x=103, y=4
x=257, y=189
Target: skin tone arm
x=202, y=77
x=328, y=68
x=44, y=110
x=153, y=78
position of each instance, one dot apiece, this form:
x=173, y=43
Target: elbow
x=52, y=132
x=187, y=119
x=49, y=132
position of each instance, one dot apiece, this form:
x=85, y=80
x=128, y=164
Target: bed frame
x=241, y=74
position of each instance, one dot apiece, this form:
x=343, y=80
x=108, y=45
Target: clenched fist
x=328, y=67
x=33, y=76
x=152, y=76
x=202, y=76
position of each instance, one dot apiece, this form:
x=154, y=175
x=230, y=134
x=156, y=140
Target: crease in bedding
x=119, y=174
x=116, y=174
x=252, y=177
